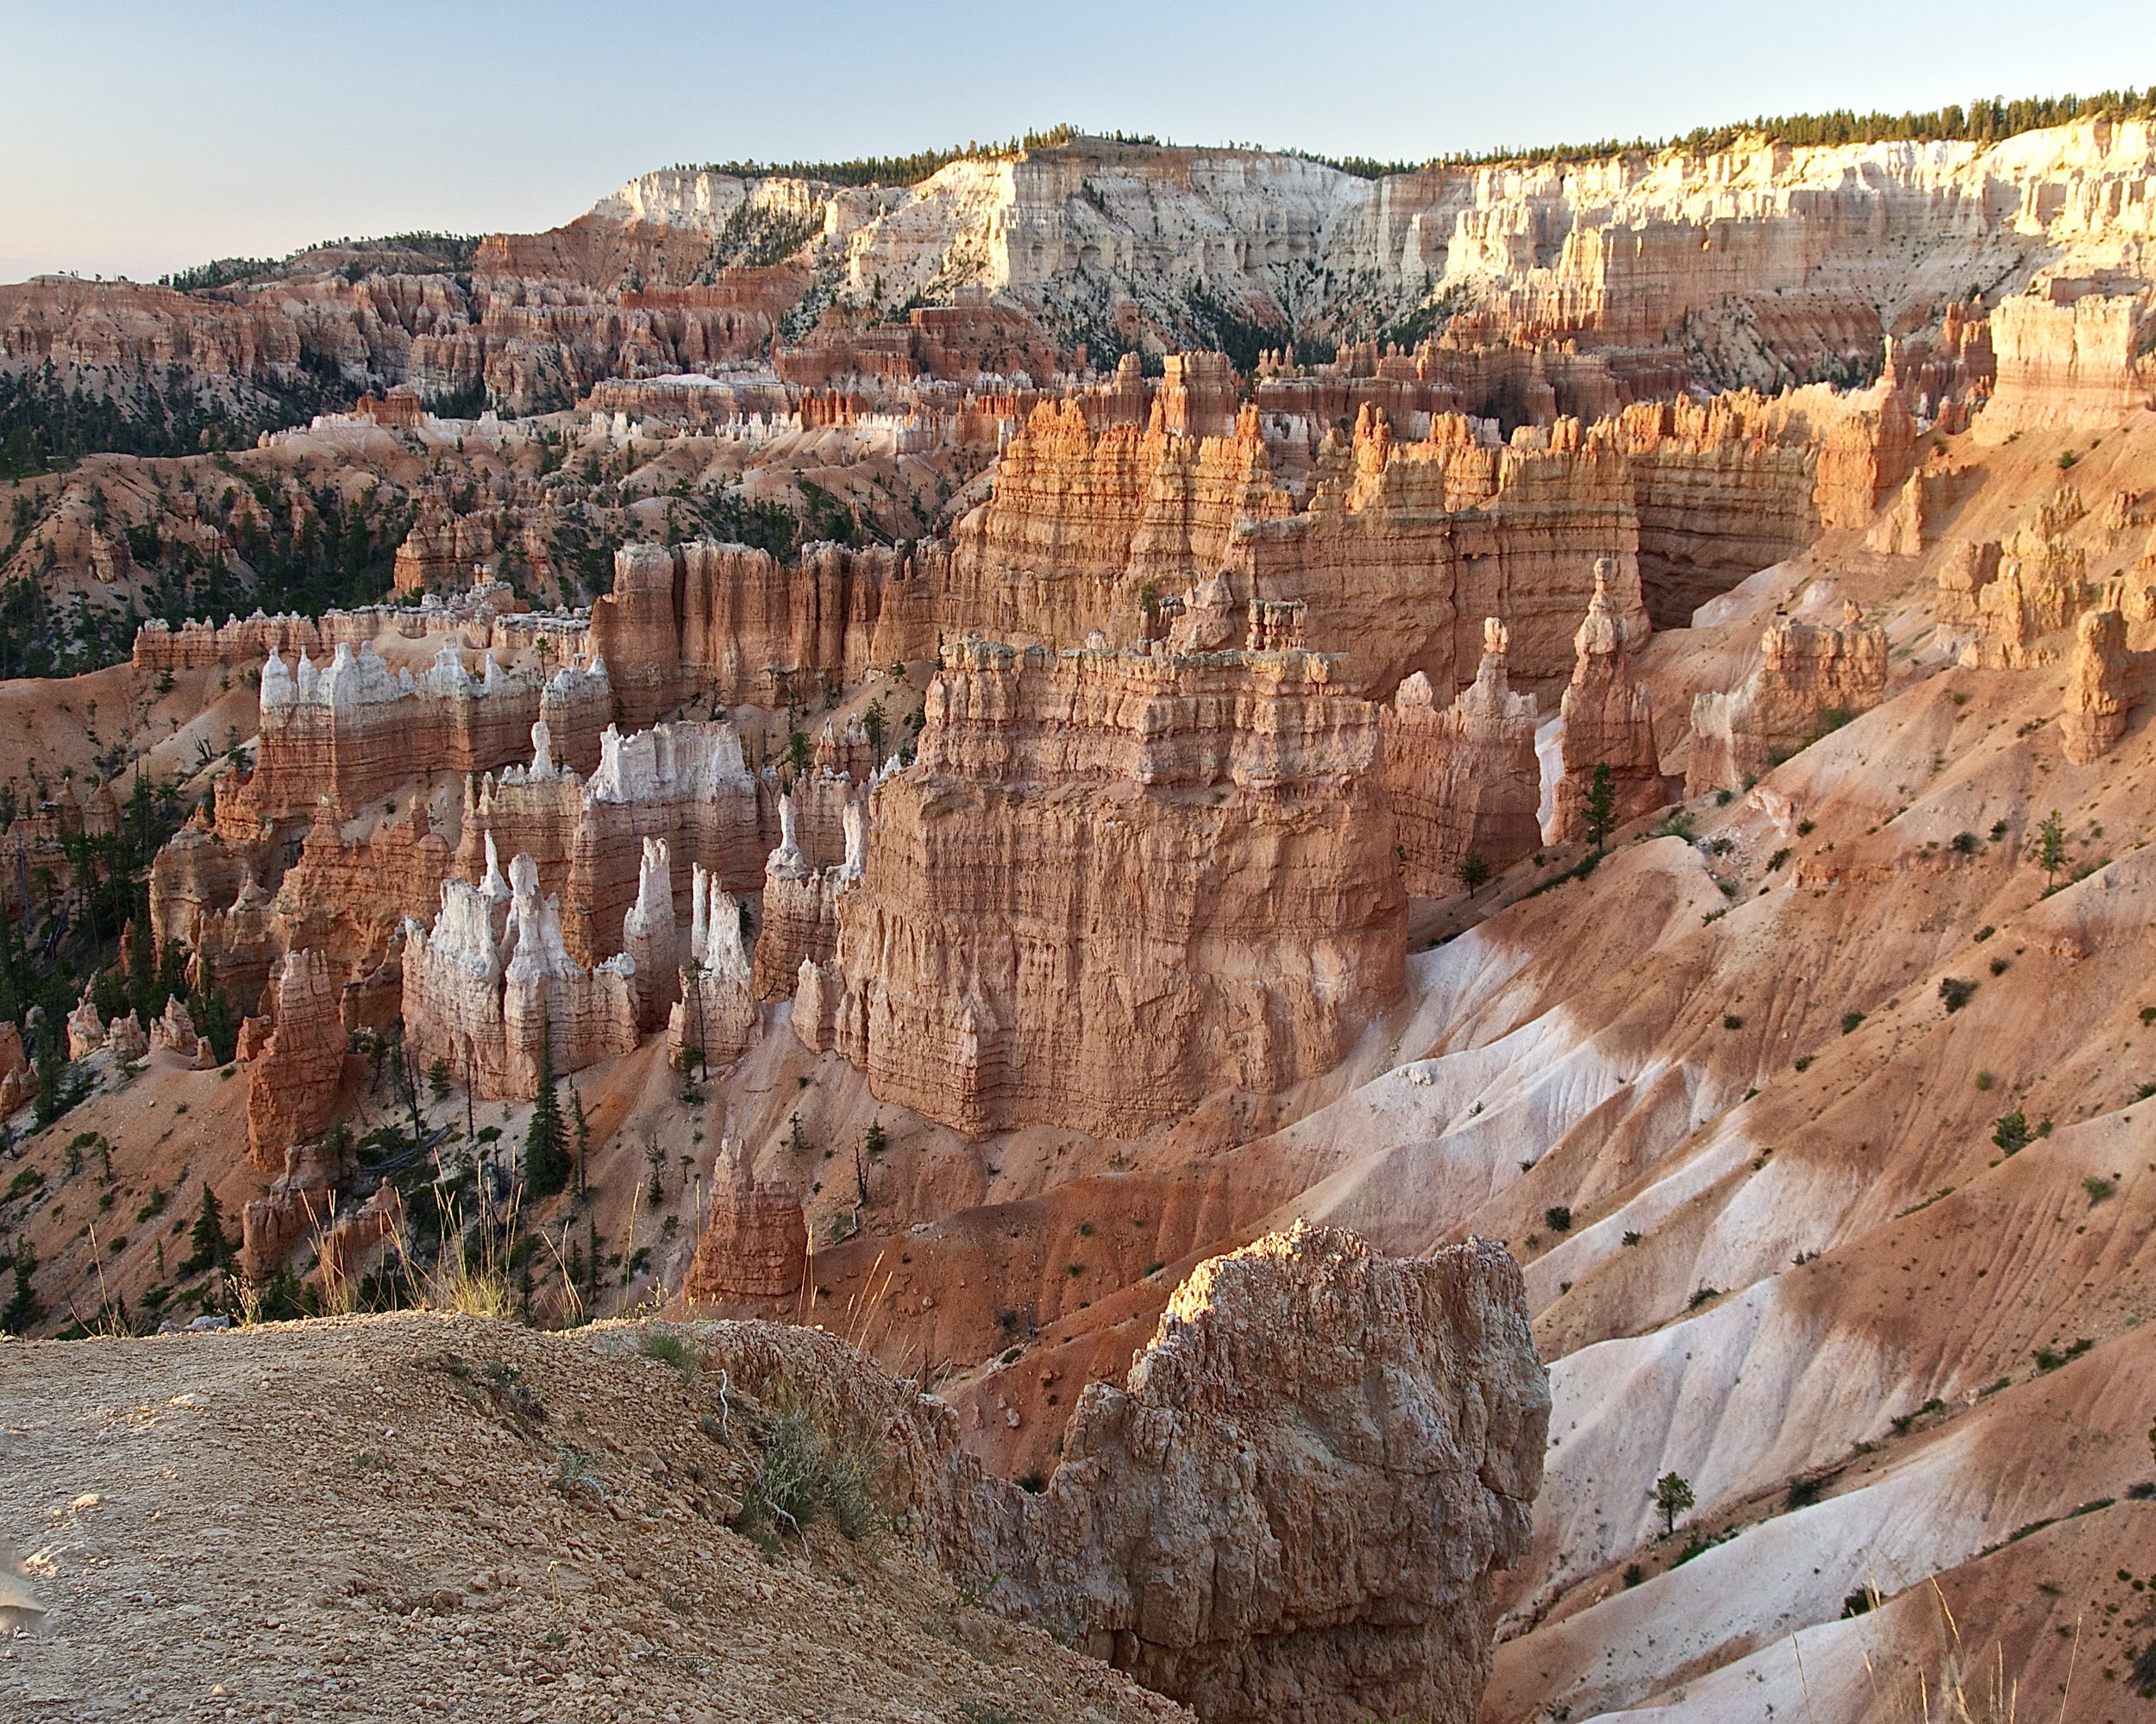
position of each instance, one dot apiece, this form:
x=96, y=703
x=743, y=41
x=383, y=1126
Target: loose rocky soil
x=435, y=1516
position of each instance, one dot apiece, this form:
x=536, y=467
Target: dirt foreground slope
x=434, y=1516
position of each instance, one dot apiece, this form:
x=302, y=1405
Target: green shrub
x=672, y=1349
x=803, y=1471
x=1955, y=991
x=1558, y=1218
x=1849, y=1021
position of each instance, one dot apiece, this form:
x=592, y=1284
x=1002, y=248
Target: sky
x=139, y=138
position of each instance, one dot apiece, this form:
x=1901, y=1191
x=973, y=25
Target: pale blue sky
x=140, y=137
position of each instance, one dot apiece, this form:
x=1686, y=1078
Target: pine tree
x=547, y=1166
x=211, y=1249
x=1672, y=1496
x=2051, y=846
x=1602, y=805
x=24, y=1309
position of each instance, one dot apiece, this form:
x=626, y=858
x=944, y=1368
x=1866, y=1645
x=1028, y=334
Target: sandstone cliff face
x=2104, y=677
x=1608, y=721
x=1114, y=881
x=1294, y=1505
x=1399, y=545
x=1744, y=481
x=1810, y=678
x=1969, y=567
x=1085, y=528
x=683, y=784
x=479, y=615
x=2069, y=355
x=648, y=939
x=348, y=899
x=1463, y=779
x=440, y=551
x=800, y=905
x=2040, y=588
x=292, y=1085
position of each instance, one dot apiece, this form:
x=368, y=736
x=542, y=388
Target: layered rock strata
x=1397, y=544
x=477, y=616
x=1114, y=881
x=721, y=619
x=347, y=899
x=2041, y=588
x=2069, y=355
x=682, y=784
x=1609, y=722
x=649, y=937
x=2104, y=679
x=755, y=1244
x=1811, y=678
x=1294, y=1505
x=1463, y=779
x=1729, y=486
x=1969, y=567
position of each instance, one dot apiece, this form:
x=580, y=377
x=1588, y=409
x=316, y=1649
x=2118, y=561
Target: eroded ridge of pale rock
x=684, y=785
x=1114, y=881
x=1294, y=1505
x=801, y=904
x=715, y=1015
x=1811, y=678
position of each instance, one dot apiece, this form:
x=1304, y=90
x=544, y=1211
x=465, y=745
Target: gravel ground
x=434, y=1516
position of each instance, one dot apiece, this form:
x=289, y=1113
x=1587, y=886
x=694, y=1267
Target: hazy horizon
x=140, y=140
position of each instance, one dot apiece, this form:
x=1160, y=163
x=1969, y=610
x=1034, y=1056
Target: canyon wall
x=723, y=619
x=2069, y=356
